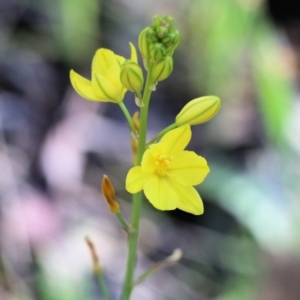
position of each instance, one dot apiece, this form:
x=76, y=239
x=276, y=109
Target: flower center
x=162, y=162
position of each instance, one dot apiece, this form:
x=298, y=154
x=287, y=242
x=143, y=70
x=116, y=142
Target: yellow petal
x=188, y=168
x=133, y=55
x=119, y=60
x=189, y=199
x=160, y=193
x=82, y=86
x=149, y=157
x=113, y=76
x=136, y=179
x=102, y=61
x=105, y=90
x=176, y=140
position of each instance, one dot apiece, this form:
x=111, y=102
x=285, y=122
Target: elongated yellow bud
x=143, y=42
x=198, y=111
x=131, y=76
x=109, y=195
x=162, y=68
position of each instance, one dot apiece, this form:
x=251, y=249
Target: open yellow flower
x=105, y=85
x=168, y=173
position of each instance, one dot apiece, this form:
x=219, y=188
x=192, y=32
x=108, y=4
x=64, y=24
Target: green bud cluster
x=160, y=39
x=157, y=44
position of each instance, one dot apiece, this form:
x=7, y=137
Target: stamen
x=162, y=162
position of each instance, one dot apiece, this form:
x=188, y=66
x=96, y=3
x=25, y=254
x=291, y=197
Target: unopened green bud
x=157, y=51
x=198, y=111
x=170, y=21
x=144, y=42
x=157, y=20
x=152, y=38
x=158, y=40
x=172, y=41
x=131, y=76
x=162, y=31
x=151, y=35
x=162, y=68
x=160, y=21
x=172, y=38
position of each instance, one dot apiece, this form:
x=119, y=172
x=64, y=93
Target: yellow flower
x=105, y=85
x=168, y=173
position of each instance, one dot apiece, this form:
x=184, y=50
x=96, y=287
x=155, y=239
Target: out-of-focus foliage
x=237, y=43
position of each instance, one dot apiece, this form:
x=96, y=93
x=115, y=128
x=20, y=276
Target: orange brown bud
x=134, y=147
x=109, y=195
x=136, y=121
x=95, y=259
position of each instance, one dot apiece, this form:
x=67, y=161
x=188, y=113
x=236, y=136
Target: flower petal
x=119, y=60
x=113, y=76
x=102, y=61
x=188, y=168
x=176, y=140
x=133, y=55
x=160, y=193
x=105, y=90
x=82, y=86
x=189, y=199
x=136, y=179
x=149, y=157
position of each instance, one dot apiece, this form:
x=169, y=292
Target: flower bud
x=109, y=195
x=136, y=121
x=160, y=21
x=152, y=36
x=157, y=51
x=198, y=111
x=97, y=269
x=172, y=38
x=162, y=68
x=134, y=147
x=170, y=21
x=157, y=20
x=162, y=31
x=131, y=76
x=144, y=42
x=172, y=41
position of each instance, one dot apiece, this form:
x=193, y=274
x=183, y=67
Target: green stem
x=102, y=285
x=139, y=95
x=122, y=221
x=146, y=274
x=161, y=133
x=127, y=116
x=137, y=198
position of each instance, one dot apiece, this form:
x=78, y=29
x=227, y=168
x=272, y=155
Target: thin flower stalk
x=97, y=269
x=137, y=198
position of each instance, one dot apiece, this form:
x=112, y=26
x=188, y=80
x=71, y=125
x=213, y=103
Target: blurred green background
x=55, y=147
